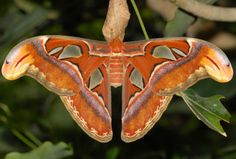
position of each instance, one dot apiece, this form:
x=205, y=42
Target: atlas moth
x=82, y=71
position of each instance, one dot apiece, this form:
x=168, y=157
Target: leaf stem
x=140, y=19
x=32, y=138
x=23, y=139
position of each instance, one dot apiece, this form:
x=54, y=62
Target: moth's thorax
x=116, y=47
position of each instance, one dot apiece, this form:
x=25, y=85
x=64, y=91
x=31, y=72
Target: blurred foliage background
x=28, y=112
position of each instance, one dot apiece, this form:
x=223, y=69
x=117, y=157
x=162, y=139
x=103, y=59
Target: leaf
x=209, y=110
x=179, y=25
x=228, y=152
x=5, y=145
x=28, y=23
x=45, y=151
x=182, y=20
x=5, y=110
x=20, y=25
x=112, y=153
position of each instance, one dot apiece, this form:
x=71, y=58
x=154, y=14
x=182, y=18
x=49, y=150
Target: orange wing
x=162, y=68
x=63, y=65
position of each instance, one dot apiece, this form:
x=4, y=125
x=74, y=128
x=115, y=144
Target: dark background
x=178, y=134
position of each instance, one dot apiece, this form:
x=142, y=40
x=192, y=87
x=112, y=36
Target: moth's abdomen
x=116, y=71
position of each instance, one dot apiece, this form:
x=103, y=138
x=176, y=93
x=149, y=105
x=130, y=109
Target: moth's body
x=114, y=61
x=116, y=69
x=82, y=71
x=116, y=55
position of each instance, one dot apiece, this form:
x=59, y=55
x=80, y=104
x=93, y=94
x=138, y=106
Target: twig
x=207, y=11
x=116, y=20
x=167, y=12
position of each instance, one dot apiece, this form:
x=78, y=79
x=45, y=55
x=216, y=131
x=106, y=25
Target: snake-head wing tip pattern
x=214, y=61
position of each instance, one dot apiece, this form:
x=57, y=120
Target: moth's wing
x=91, y=106
x=160, y=68
x=193, y=60
x=142, y=108
x=65, y=66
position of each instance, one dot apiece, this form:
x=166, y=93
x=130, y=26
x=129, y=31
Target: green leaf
x=28, y=23
x=20, y=25
x=45, y=151
x=209, y=110
x=228, y=152
x=5, y=145
x=182, y=20
x=5, y=110
x=112, y=153
x=179, y=25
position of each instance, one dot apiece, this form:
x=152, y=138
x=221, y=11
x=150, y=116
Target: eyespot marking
x=55, y=50
x=136, y=78
x=71, y=51
x=163, y=52
x=179, y=52
x=95, y=79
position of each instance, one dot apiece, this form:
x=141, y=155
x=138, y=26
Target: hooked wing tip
x=217, y=65
x=214, y=60
x=17, y=61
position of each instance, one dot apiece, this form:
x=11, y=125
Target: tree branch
x=207, y=11
x=116, y=20
x=167, y=12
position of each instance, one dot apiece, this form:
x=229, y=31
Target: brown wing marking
x=141, y=108
x=90, y=113
x=142, y=112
